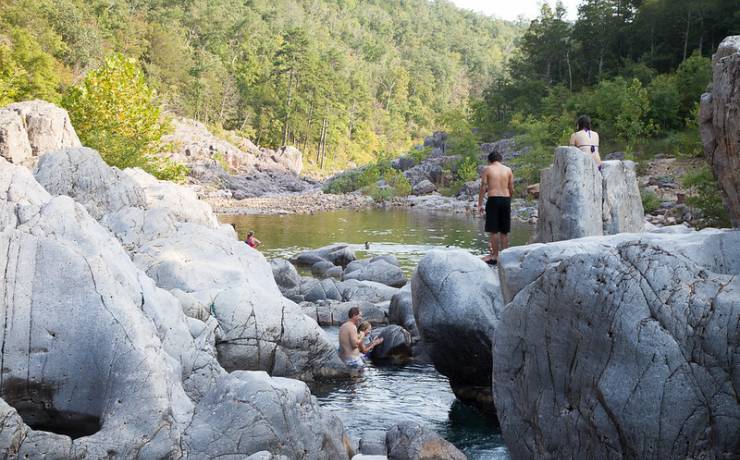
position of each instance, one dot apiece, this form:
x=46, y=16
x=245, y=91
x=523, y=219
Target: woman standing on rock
x=586, y=139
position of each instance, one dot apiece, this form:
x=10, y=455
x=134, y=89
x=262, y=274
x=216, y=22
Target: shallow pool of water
x=384, y=396
x=406, y=233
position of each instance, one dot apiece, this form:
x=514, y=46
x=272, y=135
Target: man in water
x=349, y=348
x=497, y=183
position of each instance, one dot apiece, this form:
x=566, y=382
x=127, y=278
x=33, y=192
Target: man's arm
x=511, y=184
x=483, y=190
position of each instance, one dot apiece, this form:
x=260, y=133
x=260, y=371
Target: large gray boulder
x=401, y=311
x=625, y=346
x=82, y=175
x=622, y=205
x=570, y=197
x=410, y=441
x=396, y=345
x=276, y=415
x=339, y=254
x=578, y=200
x=177, y=241
x=369, y=291
x=99, y=362
x=457, y=302
x=30, y=129
x=720, y=123
x=378, y=269
x=335, y=313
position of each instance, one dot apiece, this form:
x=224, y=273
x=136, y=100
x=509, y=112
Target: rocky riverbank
x=291, y=203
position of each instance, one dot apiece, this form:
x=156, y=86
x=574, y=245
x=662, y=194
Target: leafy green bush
x=344, y=183
x=467, y=169
x=650, y=201
x=692, y=78
x=398, y=182
x=113, y=111
x=378, y=194
x=665, y=102
x=705, y=196
x=419, y=155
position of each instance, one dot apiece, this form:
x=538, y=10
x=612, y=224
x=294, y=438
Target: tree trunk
x=570, y=71
x=686, y=36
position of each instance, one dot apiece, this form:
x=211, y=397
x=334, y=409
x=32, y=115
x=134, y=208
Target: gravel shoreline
x=317, y=201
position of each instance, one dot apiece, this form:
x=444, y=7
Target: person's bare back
x=498, y=180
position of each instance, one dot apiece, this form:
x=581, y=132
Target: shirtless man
x=349, y=348
x=497, y=183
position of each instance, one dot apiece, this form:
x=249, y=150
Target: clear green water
x=407, y=234
x=384, y=396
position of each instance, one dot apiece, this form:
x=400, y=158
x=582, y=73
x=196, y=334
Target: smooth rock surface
x=396, y=345
x=336, y=313
x=719, y=119
x=457, y=302
x=107, y=365
x=408, y=440
x=622, y=346
x=177, y=241
x=379, y=270
x=570, y=203
x=621, y=206
x=82, y=175
x=338, y=254
x=401, y=311
x=30, y=129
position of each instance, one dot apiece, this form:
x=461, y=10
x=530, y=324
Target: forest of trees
x=637, y=66
x=344, y=80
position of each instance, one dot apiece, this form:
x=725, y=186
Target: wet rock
x=401, y=311
x=321, y=269
x=457, y=302
x=720, y=123
x=380, y=270
x=408, y=440
x=373, y=443
x=330, y=313
x=30, y=129
x=369, y=291
x=396, y=344
x=338, y=254
x=657, y=314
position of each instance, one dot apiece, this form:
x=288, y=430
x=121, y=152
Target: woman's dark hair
x=494, y=156
x=583, y=122
x=250, y=234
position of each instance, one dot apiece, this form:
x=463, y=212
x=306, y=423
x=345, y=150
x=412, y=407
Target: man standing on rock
x=497, y=183
x=349, y=349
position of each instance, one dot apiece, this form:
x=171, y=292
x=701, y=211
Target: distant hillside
x=344, y=80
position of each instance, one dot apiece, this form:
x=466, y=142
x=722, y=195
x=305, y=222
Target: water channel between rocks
x=386, y=395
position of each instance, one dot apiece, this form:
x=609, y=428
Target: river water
x=383, y=396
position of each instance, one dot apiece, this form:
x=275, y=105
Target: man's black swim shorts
x=498, y=214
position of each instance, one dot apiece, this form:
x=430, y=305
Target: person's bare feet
x=489, y=260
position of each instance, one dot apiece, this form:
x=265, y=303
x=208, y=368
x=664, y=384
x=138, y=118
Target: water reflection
x=384, y=396
x=408, y=234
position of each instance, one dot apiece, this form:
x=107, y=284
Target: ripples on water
x=384, y=396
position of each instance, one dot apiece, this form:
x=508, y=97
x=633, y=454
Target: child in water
x=252, y=241
x=363, y=331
